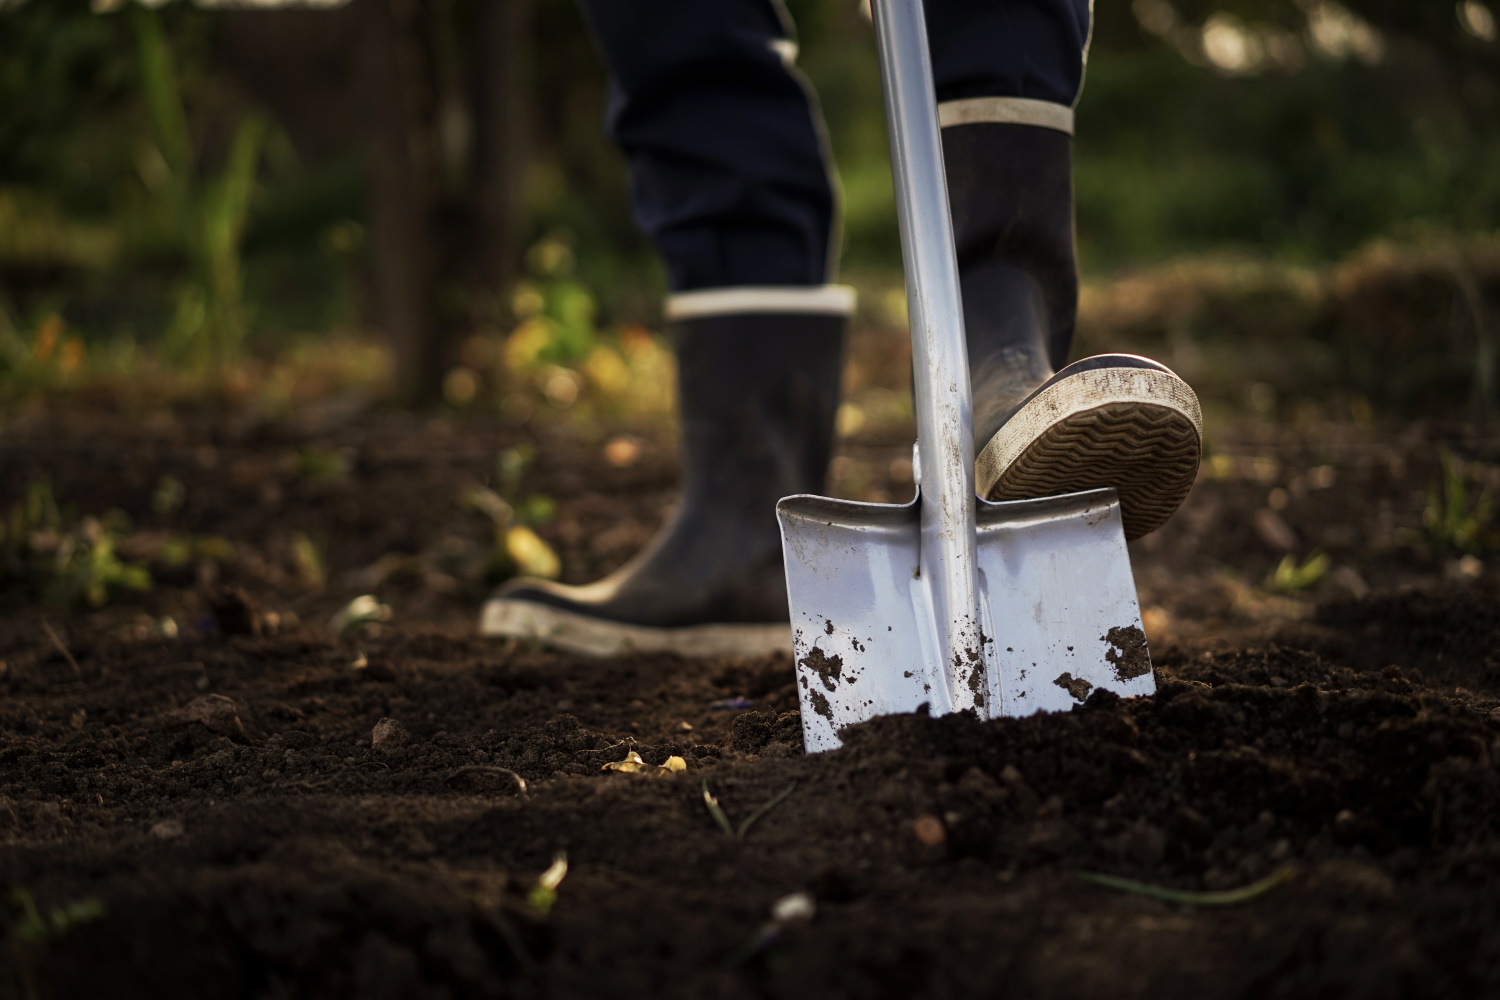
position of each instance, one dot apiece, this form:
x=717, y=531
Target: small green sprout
x=168, y=496
x=321, y=465
x=359, y=613
x=308, y=562
x=738, y=833
x=1290, y=576
x=512, y=463
x=538, y=509
x=543, y=895
x=36, y=928
x=1461, y=512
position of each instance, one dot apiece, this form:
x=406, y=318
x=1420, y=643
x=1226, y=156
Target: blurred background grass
x=413, y=200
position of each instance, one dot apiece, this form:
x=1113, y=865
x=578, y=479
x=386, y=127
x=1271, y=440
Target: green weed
x=365, y=611
x=307, y=561
x=209, y=211
x=517, y=548
x=35, y=929
x=535, y=510
x=739, y=832
x=1460, y=511
x=1291, y=576
x=181, y=551
x=49, y=553
x=168, y=497
x=511, y=464
x=322, y=465
x=543, y=895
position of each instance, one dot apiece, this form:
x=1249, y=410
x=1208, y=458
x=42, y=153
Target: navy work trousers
x=729, y=163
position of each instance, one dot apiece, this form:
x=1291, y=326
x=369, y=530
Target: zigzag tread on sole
x=1148, y=454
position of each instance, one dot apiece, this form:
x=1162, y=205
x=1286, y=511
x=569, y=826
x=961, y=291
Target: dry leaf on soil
x=633, y=764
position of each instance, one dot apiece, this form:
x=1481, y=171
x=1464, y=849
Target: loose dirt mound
x=213, y=809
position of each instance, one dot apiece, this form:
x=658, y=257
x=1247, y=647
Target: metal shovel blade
x=1058, y=604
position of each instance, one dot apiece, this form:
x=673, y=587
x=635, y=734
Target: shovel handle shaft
x=945, y=436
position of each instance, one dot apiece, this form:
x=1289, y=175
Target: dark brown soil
x=217, y=795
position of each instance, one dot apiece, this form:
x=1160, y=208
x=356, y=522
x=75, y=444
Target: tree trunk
x=502, y=147
x=403, y=183
x=381, y=73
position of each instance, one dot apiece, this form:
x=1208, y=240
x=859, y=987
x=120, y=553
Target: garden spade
x=950, y=601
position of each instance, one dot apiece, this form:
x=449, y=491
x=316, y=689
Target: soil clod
x=236, y=613
x=217, y=714
x=388, y=734
x=1130, y=655
x=929, y=831
x=1075, y=686
x=828, y=668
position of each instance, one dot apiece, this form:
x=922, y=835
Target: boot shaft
x=757, y=396
x=1010, y=188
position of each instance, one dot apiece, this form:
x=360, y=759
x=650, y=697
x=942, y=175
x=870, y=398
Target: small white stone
x=794, y=909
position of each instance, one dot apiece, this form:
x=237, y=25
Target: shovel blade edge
x=863, y=638
x=1061, y=617
x=1056, y=580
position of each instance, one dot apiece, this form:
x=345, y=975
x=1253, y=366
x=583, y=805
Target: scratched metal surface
x=1060, y=615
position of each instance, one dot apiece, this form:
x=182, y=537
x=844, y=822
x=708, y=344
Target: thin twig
x=63, y=649
x=628, y=739
x=772, y=803
x=717, y=812
x=722, y=818
x=1227, y=897
x=486, y=769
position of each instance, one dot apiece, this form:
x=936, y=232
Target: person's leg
x=728, y=164
x=730, y=179
x=1008, y=75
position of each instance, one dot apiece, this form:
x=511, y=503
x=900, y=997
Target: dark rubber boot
x=757, y=395
x=1114, y=420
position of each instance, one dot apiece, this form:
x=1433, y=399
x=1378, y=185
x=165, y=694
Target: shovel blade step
x=1061, y=616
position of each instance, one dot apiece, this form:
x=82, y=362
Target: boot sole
x=597, y=638
x=1137, y=430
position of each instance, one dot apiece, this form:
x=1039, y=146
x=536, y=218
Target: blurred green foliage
x=558, y=307
x=1173, y=158
x=144, y=195
x=209, y=212
x=1305, y=156
x=517, y=548
x=35, y=928
x=1291, y=576
x=1460, y=515
x=48, y=552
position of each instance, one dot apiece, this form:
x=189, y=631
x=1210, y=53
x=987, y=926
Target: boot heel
x=1138, y=430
